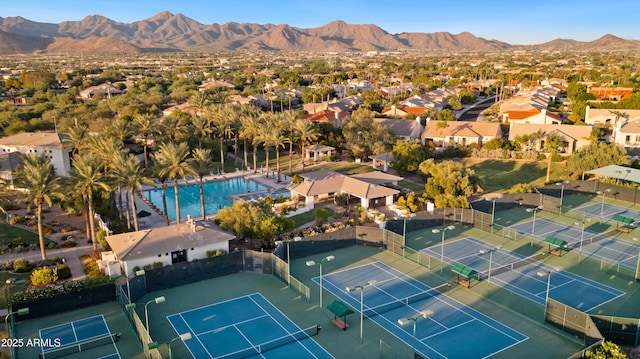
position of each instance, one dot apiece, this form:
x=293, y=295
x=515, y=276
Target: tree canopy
x=596, y=155
x=449, y=183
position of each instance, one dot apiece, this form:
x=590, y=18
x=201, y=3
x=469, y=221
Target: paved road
x=474, y=112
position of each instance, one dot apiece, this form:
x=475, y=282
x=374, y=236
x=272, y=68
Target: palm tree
x=552, y=144
x=88, y=178
x=222, y=122
x=201, y=164
x=77, y=138
x=198, y=101
x=133, y=176
x=120, y=129
x=267, y=120
x=147, y=126
x=200, y=128
x=307, y=132
x=163, y=186
x=38, y=176
x=172, y=161
x=273, y=135
x=249, y=131
x=172, y=128
x=290, y=119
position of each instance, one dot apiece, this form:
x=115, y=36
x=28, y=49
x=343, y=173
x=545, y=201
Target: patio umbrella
x=143, y=213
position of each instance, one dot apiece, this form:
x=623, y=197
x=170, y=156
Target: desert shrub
x=92, y=270
x=63, y=272
x=66, y=229
x=18, y=242
x=69, y=243
x=157, y=265
x=135, y=269
x=43, y=276
x=321, y=216
x=101, y=237
x=16, y=220
x=56, y=259
x=21, y=266
x=215, y=253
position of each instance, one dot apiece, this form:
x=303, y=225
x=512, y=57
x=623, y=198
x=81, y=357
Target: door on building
x=178, y=256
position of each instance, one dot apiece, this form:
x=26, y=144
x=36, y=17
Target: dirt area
x=58, y=217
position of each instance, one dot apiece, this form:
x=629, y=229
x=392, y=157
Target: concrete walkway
x=70, y=256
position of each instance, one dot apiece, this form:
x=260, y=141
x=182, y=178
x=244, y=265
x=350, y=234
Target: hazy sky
x=515, y=22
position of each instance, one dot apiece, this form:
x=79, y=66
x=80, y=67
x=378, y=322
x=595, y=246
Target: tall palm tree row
x=132, y=175
x=147, y=126
x=222, y=122
x=171, y=159
x=38, y=176
x=289, y=118
x=272, y=135
x=306, y=133
x=87, y=178
x=202, y=165
x=249, y=131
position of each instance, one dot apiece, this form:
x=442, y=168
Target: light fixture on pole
x=312, y=263
x=547, y=274
x=21, y=311
x=137, y=273
x=493, y=209
x=638, y=264
x=405, y=321
x=156, y=300
x=183, y=337
x=361, y=289
x=603, y=193
x=442, y=230
x=490, y=251
x=582, y=223
x=561, y=193
x=533, y=226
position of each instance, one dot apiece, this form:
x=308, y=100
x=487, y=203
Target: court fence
x=138, y=326
x=620, y=330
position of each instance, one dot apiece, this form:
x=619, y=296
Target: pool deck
x=157, y=220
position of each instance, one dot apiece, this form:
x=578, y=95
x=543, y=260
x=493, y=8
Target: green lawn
x=341, y=167
x=417, y=188
x=9, y=232
x=304, y=218
x=501, y=175
x=13, y=288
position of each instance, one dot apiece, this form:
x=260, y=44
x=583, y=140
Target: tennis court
x=454, y=331
x=82, y=335
x=591, y=244
x=606, y=211
x=245, y=327
x=519, y=275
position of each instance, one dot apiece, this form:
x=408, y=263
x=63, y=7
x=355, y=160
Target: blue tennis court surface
x=520, y=275
x=74, y=335
x=245, y=327
x=606, y=211
x=455, y=330
x=599, y=246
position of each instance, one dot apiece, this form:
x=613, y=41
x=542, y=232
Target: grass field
x=501, y=175
x=304, y=218
x=9, y=232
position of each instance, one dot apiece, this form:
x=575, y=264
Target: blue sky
x=515, y=22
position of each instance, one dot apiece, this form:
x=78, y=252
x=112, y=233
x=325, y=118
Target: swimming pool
x=215, y=196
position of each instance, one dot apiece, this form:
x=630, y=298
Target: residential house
x=443, y=133
x=107, y=90
x=215, y=84
x=532, y=116
x=573, y=137
x=623, y=124
x=401, y=111
x=368, y=188
x=36, y=143
x=9, y=162
x=183, y=242
x=614, y=94
x=406, y=129
x=335, y=118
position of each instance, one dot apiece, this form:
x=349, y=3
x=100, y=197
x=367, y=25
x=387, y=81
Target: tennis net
x=533, y=260
x=78, y=347
x=274, y=343
x=401, y=302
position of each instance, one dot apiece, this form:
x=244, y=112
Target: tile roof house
x=407, y=129
x=611, y=94
x=333, y=117
x=368, y=188
x=183, y=242
x=461, y=133
x=533, y=116
x=37, y=143
x=105, y=89
x=623, y=123
x=573, y=137
x=214, y=84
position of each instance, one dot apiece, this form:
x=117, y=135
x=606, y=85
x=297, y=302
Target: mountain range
x=175, y=32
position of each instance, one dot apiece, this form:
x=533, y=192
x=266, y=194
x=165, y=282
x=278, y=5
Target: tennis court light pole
x=21, y=311
x=603, y=193
x=426, y=314
x=442, y=230
x=638, y=264
x=184, y=337
x=312, y=263
x=156, y=300
x=562, y=193
x=547, y=274
x=361, y=289
x=490, y=250
x=533, y=226
x=493, y=209
x=137, y=273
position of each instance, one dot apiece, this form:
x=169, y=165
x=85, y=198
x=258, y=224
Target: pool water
x=215, y=196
